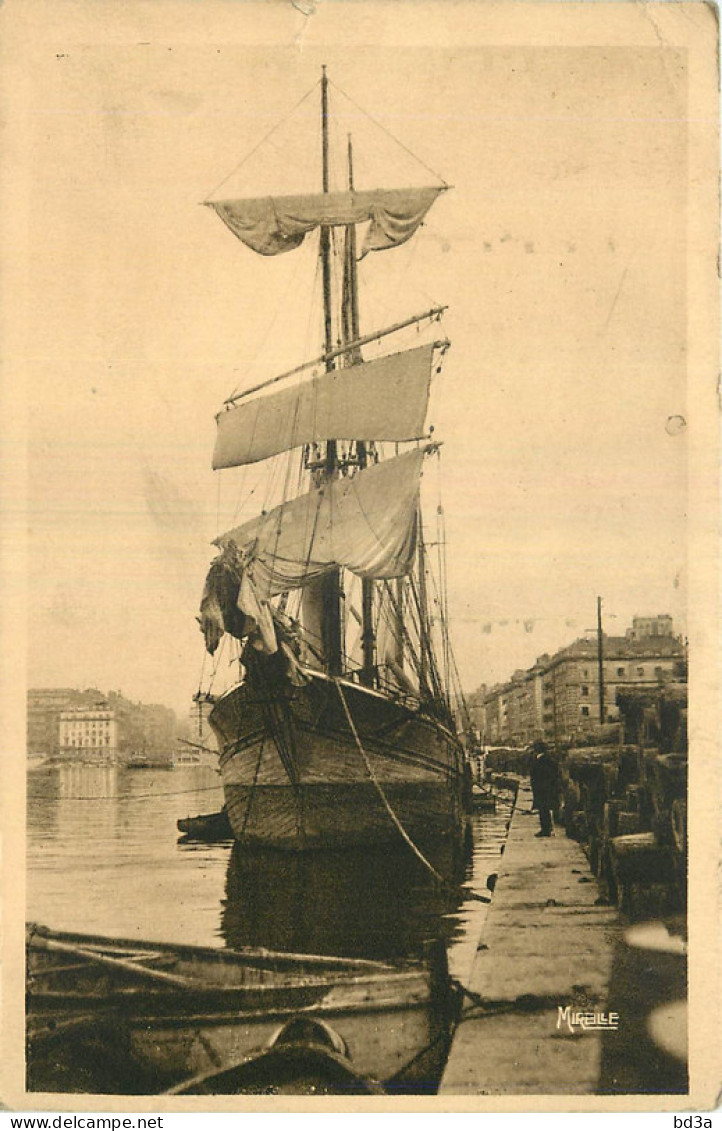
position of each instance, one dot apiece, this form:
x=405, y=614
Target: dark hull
x=207, y=826
x=295, y=776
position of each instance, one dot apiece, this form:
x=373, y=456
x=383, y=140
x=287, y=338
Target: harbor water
x=104, y=857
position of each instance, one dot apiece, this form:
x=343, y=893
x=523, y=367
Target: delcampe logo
x=585, y=1019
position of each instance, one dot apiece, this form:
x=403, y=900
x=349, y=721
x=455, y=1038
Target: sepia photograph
x=359, y=556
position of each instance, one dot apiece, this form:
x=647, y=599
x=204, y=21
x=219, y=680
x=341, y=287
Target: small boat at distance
x=206, y=826
x=131, y=1017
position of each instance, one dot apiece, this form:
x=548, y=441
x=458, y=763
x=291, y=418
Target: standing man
x=544, y=775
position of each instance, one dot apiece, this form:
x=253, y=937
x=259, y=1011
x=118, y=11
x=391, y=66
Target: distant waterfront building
x=88, y=725
x=44, y=707
x=88, y=734
x=558, y=699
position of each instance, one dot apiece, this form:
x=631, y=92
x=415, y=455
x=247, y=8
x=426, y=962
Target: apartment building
x=562, y=697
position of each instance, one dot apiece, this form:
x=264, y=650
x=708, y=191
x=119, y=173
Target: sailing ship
x=318, y=747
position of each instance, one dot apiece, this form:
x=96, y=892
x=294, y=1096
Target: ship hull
x=296, y=775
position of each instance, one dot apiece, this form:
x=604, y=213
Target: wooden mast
x=331, y=584
x=352, y=334
x=424, y=642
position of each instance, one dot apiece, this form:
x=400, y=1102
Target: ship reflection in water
x=104, y=857
x=358, y=904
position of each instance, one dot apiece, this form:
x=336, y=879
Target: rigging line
x=447, y=884
x=459, y=688
x=443, y=591
x=439, y=604
x=405, y=261
x=287, y=479
x=379, y=789
x=299, y=264
x=279, y=721
x=305, y=166
x=216, y=661
x=425, y=642
x=240, y=503
x=413, y=656
x=389, y=134
x=143, y=796
x=433, y=315
x=202, y=671
x=265, y=138
x=251, y=792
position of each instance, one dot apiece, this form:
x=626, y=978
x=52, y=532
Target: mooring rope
x=377, y=784
x=491, y=1007
x=134, y=797
x=388, y=807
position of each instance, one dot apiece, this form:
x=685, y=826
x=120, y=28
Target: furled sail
x=366, y=523
x=271, y=225
x=384, y=399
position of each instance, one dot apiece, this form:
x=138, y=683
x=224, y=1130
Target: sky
x=560, y=251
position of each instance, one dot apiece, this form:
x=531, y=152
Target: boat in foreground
x=124, y=1016
x=304, y=1057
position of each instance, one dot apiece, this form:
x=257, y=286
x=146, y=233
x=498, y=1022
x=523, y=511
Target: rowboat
x=123, y=1016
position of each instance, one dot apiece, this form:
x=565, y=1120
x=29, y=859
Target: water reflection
x=364, y=903
x=104, y=857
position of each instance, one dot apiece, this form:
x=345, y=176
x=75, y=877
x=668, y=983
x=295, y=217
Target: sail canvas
x=384, y=399
x=272, y=225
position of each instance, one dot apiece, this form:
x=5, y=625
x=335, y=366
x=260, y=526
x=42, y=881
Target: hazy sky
x=560, y=251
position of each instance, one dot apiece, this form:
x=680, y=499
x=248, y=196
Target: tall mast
x=326, y=235
x=424, y=644
x=351, y=277
x=331, y=585
x=352, y=334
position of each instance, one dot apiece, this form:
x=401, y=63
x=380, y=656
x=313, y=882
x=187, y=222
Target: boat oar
x=114, y=963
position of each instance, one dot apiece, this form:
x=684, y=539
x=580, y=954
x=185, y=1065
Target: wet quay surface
x=551, y=940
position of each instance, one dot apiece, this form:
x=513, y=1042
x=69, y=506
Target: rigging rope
x=141, y=796
x=270, y=133
x=251, y=793
x=379, y=789
x=389, y=134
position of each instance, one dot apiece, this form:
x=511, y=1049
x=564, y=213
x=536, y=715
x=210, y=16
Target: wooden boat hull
x=98, y=1022
x=207, y=826
x=305, y=1057
x=295, y=776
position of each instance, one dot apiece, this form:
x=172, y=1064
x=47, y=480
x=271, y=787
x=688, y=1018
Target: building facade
x=44, y=707
x=88, y=734
x=75, y=725
x=562, y=696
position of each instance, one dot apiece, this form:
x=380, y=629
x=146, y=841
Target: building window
x=640, y=671
x=620, y=671
x=585, y=711
x=585, y=689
